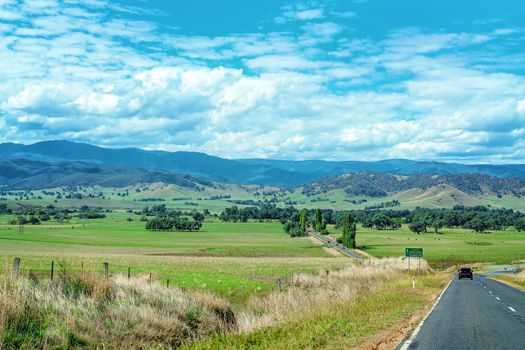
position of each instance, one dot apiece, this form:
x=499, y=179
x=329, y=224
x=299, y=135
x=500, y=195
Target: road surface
x=342, y=249
x=478, y=314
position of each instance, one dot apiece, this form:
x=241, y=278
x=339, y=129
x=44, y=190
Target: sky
x=337, y=80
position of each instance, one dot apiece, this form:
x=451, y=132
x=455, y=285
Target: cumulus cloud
x=71, y=70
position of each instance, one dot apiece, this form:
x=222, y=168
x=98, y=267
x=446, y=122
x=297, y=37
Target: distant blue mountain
x=282, y=173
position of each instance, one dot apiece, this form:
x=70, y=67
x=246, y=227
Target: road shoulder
x=508, y=283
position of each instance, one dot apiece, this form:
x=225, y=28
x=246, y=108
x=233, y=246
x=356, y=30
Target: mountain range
x=34, y=174
x=282, y=173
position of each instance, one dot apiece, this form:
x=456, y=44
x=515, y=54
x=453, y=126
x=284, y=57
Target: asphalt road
x=341, y=248
x=478, y=314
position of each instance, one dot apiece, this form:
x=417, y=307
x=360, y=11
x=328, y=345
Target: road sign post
x=414, y=253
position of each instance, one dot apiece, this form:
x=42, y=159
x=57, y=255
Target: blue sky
x=361, y=79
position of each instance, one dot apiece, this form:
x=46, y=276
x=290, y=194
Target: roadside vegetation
x=368, y=304
x=516, y=279
x=88, y=311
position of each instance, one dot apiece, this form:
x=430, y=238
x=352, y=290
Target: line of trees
x=172, y=220
x=34, y=215
x=169, y=223
x=479, y=219
x=268, y=211
x=295, y=226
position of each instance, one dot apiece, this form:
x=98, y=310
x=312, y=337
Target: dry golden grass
x=83, y=310
x=87, y=311
x=306, y=291
x=516, y=280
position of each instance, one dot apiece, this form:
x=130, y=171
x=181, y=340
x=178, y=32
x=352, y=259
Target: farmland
x=269, y=284
x=449, y=247
x=230, y=259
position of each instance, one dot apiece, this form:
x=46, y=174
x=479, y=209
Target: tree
x=479, y=224
x=519, y=225
x=319, y=222
x=302, y=218
x=368, y=222
x=353, y=234
x=349, y=231
x=418, y=227
x=4, y=209
x=437, y=225
x=385, y=222
x=318, y=219
x=294, y=229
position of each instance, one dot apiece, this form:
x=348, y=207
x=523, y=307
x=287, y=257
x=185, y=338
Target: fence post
x=16, y=267
x=150, y=277
x=106, y=269
x=52, y=270
x=168, y=283
x=129, y=273
x=279, y=284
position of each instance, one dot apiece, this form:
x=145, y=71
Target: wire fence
x=45, y=269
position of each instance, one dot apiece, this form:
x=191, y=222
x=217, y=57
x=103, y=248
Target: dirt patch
x=363, y=253
x=332, y=251
x=314, y=240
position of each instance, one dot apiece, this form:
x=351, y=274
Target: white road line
x=498, y=298
x=485, y=287
x=512, y=309
x=490, y=292
x=409, y=341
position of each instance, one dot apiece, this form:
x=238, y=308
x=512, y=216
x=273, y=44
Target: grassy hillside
x=215, y=197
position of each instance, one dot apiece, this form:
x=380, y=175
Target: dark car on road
x=465, y=272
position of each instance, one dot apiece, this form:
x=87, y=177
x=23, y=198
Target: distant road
x=342, y=249
x=479, y=314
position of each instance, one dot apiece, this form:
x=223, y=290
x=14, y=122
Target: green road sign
x=414, y=252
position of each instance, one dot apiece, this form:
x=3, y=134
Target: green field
x=231, y=259
x=450, y=246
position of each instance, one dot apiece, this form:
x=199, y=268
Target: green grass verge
x=337, y=326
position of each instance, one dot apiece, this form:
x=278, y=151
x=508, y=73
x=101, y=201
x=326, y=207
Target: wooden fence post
x=52, y=270
x=150, y=277
x=16, y=267
x=106, y=269
x=168, y=283
x=129, y=273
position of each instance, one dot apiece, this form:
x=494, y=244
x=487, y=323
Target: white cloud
x=314, y=92
x=300, y=12
x=309, y=14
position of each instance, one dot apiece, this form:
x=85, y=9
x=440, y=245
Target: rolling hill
x=381, y=185
x=348, y=191
x=364, y=189
x=281, y=173
x=31, y=174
